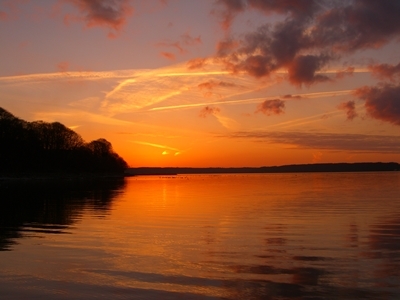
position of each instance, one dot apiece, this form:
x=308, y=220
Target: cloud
x=3, y=16
x=385, y=71
x=255, y=100
x=231, y=9
x=303, y=68
x=346, y=72
x=297, y=7
x=197, y=63
x=326, y=141
x=312, y=35
x=63, y=66
x=226, y=46
x=181, y=46
x=208, y=110
x=77, y=115
x=225, y=121
x=350, y=108
x=188, y=40
x=111, y=14
x=381, y=102
x=209, y=85
x=289, y=96
x=272, y=107
x=76, y=75
x=168, y=55
x=10, y=10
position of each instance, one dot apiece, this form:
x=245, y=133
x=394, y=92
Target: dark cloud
x=313, y=34
x=385, y=71
x=350, y=108
x=381, y=102
x=327, y=141
x=358, y=24
x=296, y=7
x=302, y=69
x=103, y=13
x=272, y=107
x=208, y=110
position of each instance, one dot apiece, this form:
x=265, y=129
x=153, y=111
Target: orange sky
x=210, y=83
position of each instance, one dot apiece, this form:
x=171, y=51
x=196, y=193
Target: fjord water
x=232, y=236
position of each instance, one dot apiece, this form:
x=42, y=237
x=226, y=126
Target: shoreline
x=300, y=168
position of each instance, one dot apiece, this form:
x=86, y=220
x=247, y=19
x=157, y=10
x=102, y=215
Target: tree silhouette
x=51, y=147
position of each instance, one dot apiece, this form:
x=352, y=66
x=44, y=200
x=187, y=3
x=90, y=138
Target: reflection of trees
x=51, y=206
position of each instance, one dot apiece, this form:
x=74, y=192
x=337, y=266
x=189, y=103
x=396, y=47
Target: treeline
x=302, y=168
x=27, y=147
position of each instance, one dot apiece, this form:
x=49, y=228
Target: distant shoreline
x=162, y=171
x=300, y=168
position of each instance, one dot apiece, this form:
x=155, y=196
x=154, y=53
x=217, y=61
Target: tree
x=51, y=147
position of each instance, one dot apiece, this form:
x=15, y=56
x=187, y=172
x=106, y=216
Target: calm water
x=270, y=236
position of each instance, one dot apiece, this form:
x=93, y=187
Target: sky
x=210, y=83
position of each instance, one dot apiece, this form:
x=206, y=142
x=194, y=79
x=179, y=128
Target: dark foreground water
x=272, y=236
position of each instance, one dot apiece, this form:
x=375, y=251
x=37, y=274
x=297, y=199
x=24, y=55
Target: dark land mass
x=40, y=149
x=302, y=168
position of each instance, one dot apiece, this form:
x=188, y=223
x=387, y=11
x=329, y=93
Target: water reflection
x=310, y=236
x=50, y=206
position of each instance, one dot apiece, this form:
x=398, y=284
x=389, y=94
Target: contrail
x=253, y=100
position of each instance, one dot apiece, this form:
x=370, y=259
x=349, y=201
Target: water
x=246, y=236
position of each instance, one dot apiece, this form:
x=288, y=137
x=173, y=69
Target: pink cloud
x=346, y=72
x=385, y=71
x=10, y=9
x=63, y=66
x=168, y=55
x=350, y=108
x=230, y=8
x=208, y=110
x=3, y=16
x=181, y=46
x=196, y=63
x=271, y=107
x=209, y=85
